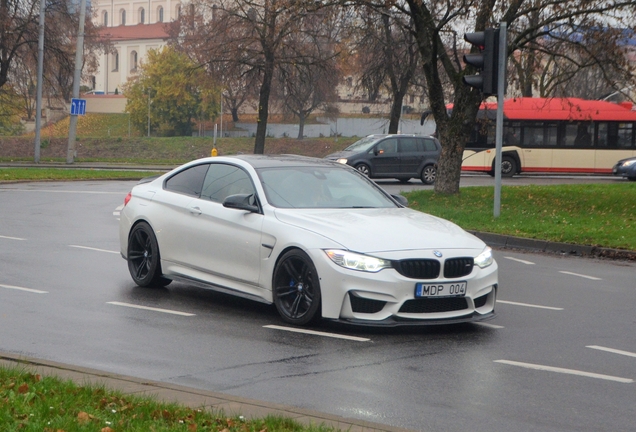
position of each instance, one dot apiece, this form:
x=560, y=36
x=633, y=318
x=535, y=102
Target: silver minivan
x=393, y=156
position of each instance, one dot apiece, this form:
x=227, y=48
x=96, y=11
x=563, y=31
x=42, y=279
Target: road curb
x=510, y=242
x=192, y=397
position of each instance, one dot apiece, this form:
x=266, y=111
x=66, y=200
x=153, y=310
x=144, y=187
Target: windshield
x=363, y=144
x=321, y=187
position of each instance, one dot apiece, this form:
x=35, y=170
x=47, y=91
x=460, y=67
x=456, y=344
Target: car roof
x=278, y=160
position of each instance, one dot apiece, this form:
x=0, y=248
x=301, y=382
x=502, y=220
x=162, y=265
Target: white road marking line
x=580, y=275
x=11, y=238
x=528, y=305
x=93, y=249
x=520, y=260
x=65, y=191
x=612, y=350
x=317, y=333
x=24, y=289
x=168, y=311
x=566, y=371
x=494, y=326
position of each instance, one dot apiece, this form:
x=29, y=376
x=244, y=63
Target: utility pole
x=38, y=101
x=79, y=61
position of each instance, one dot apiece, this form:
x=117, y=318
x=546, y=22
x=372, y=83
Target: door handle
x=195, y=210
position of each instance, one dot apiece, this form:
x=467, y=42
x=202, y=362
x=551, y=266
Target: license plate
x=455, y=289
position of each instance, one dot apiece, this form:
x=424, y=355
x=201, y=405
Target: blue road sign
x=78, y=106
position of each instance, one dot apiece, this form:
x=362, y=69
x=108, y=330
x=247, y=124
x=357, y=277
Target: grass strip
x=35, y=174
x=30, y=402
x=592, y=214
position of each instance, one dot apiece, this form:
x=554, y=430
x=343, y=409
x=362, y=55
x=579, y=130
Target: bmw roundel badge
x=437, y=253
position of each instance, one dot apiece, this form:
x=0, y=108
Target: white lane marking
x=520, y=260
x=612, y=350
x=566, y=371
x=117, y=212
x=528, y=305
x=317, y=333
x=168, y=311
x=23, y=289
x=93, y=249
x=11, y=238
x=580, y=275
x=494, y=326
x=65, y=191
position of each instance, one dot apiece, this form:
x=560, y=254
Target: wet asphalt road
x=560, y=355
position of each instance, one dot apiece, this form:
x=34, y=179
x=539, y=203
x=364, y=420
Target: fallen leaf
x=107, y=429
x=192, y=427
x=23, y=388
x=83, y=417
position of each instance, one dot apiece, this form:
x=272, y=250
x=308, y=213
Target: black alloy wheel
x=143, y=257
x=296, y=288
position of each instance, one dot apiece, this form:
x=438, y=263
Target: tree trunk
x=263, y=106
x=235, y=117
x=301, y=126
x=396, y=113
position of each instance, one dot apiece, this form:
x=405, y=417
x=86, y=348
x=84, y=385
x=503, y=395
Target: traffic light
x=486, y=61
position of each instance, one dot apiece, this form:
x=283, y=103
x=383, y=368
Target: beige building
x=132, y=28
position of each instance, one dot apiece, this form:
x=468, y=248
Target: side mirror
x=242, y=202
x=401, y=199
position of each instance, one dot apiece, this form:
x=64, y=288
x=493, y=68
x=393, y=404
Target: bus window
x=512, y=134
x=540, y=134
x=625, y=136
x=601, y=135
x=578, y=135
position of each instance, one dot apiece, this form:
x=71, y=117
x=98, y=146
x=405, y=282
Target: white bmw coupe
x=314, y=237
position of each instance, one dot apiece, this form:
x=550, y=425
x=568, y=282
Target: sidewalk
x=193, y=398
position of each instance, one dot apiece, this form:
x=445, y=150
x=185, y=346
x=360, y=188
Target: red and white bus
x=554, y=135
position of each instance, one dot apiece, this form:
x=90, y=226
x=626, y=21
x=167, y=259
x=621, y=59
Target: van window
x=387, y=146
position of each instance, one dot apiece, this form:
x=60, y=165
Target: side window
x=189, y=181
x=429, y=145
x=386, y=146
x=410, y=145
x=223, y=180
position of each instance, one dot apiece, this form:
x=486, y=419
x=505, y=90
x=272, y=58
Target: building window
x=142, y=15
x=160, y=14
x=105, y=18
x=116, y=61
x=122, y=17
x=133, y=61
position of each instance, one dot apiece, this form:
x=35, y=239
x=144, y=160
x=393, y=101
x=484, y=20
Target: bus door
x=614, y=141
x=576, y=153
x=538, y=140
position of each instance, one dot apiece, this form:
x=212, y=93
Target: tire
x=364, y=169
x=508, y=166
x=429, y=172
x=404, y=179
x=296, y=288
x=143, y=257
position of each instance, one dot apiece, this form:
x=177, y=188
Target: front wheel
x=508, y=166
x=296, y=288
x=364, y=169
x=143, y=257
x=429, y=172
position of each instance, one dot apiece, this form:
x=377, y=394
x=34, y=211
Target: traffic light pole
x=501, y=89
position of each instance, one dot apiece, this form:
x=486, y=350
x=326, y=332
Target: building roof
x=135, y=32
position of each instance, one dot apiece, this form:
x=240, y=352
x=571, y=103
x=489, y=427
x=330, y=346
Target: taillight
x=127, y=199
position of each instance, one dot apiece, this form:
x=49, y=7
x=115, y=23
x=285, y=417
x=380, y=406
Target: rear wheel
x=143, y=257
x=429, y=172
x=364, y=169
x=296, y=288
x=508, y=166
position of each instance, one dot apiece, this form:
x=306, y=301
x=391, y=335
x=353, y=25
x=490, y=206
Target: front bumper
x=387, y=298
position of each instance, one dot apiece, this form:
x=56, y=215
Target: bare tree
x=252, y=33
x=388, y=57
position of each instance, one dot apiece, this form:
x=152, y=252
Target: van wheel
x=429, y=172
x=364, y=169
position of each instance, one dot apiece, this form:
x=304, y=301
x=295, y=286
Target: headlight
x=342, y=160
x=629, y=163
x=354, y=261
x=485, y=258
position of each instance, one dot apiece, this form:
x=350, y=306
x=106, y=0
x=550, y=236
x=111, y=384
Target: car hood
x=381, y=230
